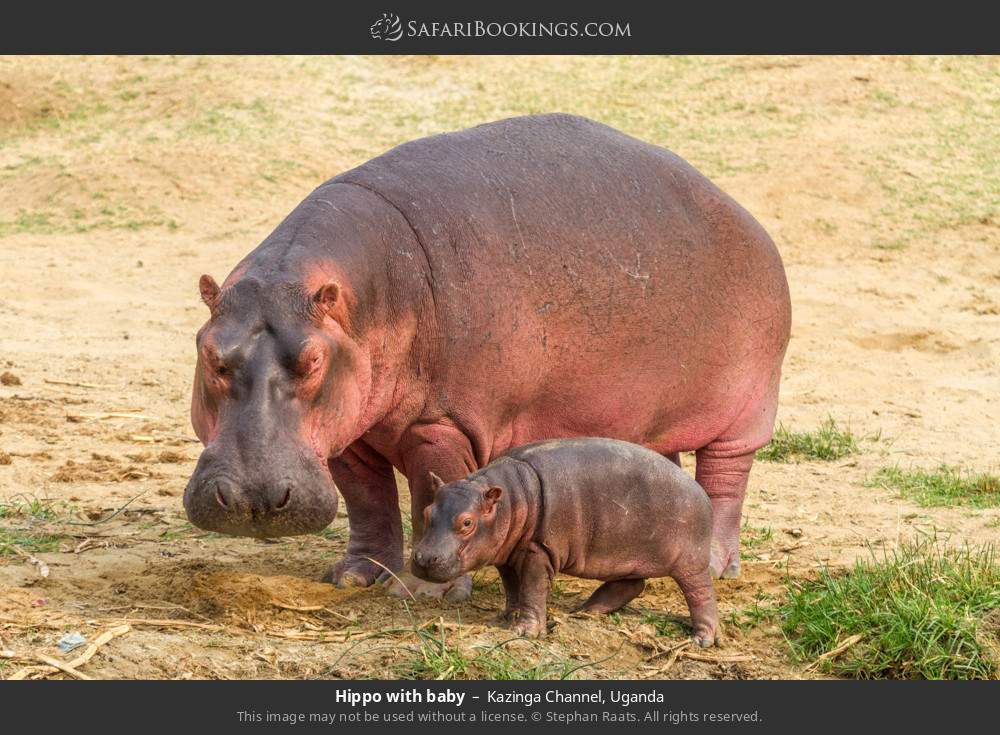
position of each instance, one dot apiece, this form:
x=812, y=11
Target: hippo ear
x=326, y=297
x=491, y=497
x=436, y=482
x=209, y=290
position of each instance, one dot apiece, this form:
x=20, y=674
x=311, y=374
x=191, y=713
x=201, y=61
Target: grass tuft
x=827, y=443
x=752, y=538
x=944, y=486
x=923, y=612
x=26, y=506
x=26, y=540
x=435, y=658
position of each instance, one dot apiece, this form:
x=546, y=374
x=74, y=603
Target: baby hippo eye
x=467, y=523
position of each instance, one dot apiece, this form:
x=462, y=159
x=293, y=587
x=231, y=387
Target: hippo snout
x=300, y=500
x=433, y=565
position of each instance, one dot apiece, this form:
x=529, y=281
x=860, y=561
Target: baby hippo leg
x=613, y=595
x=700, y=596
x=511, y=588
x=535, y=576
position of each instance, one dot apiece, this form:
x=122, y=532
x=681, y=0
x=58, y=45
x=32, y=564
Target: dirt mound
x=252, y=596
x=209, y=590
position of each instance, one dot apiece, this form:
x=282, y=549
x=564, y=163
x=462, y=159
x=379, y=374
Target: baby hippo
x=591, y=508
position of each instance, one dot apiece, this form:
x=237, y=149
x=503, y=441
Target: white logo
x=387, y=28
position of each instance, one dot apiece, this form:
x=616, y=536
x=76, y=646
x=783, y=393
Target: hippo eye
x=467, y=523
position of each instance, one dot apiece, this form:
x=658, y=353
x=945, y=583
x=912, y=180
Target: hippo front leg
x=511, y=589
x=443, y=450
x=535, y=573
x=376, y=533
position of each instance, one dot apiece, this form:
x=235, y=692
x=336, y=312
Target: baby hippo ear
x=436, y=482
x=209, y=291
x=490, y=498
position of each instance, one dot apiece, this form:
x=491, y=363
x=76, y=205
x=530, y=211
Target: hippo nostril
x=285, y=499
x=220, y=496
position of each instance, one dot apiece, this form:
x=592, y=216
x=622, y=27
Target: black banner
x=588, y=706
x=437, y=27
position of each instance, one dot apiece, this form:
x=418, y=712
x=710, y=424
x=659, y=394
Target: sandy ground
x=123, y=179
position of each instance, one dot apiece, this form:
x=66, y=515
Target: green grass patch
x=435, y=658
x=82, y=221
x=27, y=506
x=827, y=443
x=752, y=615
x=26, y=540
x=752, y=538
x=944, y=486
x=671, y=626
x=922, y=612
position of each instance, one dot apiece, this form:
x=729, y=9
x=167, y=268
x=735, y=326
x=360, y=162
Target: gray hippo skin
x=591, y=508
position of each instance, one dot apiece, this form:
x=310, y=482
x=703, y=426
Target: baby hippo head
x=460, y=532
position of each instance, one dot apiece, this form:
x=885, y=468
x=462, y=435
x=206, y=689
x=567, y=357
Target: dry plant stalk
x=53, y=666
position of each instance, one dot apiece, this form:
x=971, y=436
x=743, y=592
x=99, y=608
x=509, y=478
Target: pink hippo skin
x=534, y=278
x=592, y=508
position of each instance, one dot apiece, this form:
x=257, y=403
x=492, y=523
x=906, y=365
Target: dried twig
x=836, y=651
x=63, y=667
x=674, y=653
x=74, y=383
x=53, y=666
x=110, y=415
x=671, y=649
x=723, y=659
x=168, y=623
x=296, y=608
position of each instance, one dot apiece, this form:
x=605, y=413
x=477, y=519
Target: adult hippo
x=533, y=278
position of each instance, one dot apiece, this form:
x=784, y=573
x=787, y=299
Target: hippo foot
x=725, y=564
x=706, y=635
x=528, y=626
x=406, y=585
x=355, y=571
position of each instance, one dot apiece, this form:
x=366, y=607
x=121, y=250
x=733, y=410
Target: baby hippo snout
x=434, y=564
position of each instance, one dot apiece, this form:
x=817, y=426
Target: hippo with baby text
x=592, y=508
x=535, y=278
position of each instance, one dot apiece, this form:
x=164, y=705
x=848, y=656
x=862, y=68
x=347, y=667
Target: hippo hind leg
x=723, y=470
x=613, y=595
x=725, y=479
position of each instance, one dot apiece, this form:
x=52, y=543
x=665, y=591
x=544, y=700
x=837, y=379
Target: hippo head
x=460, y=530
x=277, y=392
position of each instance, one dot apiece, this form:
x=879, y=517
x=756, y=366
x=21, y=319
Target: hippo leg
x=369, y=489
x=725, y=480
x=613, y=595
x=723, y=469
x=446, y=452
x=535, y=574
x=511, y=587
x=700, y=597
